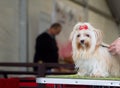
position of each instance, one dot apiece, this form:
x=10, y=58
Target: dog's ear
x=99, y=36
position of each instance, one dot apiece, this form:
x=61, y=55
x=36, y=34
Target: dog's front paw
x=81, y=74
x=98, y=75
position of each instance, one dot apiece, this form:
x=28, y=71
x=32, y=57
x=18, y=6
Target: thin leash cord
x=104, y=45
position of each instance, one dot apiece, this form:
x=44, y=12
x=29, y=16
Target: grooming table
x=77, y=80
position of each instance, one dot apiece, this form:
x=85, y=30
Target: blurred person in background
x=46, y=50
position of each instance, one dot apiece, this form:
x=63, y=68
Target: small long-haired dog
x=90, y=55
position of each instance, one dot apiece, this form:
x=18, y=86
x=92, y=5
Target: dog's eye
x=87, y=35
x=78, y=35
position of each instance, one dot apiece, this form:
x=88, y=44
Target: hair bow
x=83, y=27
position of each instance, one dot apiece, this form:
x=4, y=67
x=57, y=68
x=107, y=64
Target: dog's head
x=85, y=37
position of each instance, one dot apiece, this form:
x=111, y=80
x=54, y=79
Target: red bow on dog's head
x=83, y=27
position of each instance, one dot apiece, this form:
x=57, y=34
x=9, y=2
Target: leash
x=105, y=45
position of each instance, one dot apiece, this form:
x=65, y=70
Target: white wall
x=108, y=26
x=9, y=31
x=100, y=5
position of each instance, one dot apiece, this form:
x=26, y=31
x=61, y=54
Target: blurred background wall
x=9, y=30
x=38, y=17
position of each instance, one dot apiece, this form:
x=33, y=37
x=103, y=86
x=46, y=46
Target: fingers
x=112, y=49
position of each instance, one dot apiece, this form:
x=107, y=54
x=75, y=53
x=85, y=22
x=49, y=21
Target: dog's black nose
x=82, y=41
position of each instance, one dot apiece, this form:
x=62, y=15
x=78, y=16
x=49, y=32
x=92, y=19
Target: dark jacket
x=46, y=49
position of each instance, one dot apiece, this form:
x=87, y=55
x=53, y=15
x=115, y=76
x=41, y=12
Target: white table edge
x=70, y=81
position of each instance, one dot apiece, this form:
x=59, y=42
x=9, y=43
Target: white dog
x=90, y=55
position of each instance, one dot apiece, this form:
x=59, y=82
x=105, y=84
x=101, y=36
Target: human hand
x=114, y=48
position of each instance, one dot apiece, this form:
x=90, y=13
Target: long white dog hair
x=90, y=55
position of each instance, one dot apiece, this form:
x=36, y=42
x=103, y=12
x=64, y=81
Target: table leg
x=55, y=85
x=41, y=86
x=61, y=86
